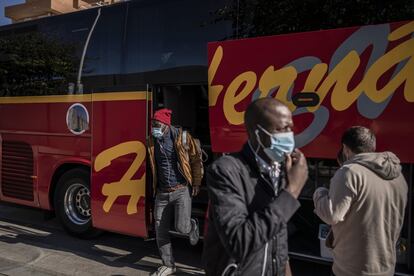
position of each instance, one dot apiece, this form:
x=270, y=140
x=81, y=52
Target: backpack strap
x=184, y=139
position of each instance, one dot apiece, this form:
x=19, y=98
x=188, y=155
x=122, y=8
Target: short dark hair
x=257, y=112
x=359, y=139
x=251, y=117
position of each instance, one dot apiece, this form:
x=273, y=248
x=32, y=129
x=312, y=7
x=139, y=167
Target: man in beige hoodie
x=365, y=206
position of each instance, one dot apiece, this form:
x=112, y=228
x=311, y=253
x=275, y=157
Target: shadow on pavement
x=111, y=249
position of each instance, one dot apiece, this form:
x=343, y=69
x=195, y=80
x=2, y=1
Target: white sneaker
x=194, y=233
x=164, y=271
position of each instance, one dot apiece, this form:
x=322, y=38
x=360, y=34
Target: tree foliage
x=270, y=17
x=32, y=64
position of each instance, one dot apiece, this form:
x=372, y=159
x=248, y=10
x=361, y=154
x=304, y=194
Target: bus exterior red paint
x=54, y=146
x=73, y=136
x=363, y=76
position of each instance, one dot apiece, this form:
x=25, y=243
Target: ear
x=259, y=139
x=347, y=151
x=254, y=136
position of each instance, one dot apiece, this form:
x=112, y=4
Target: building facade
x=40, y=8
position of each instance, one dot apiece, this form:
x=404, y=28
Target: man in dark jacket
x=253, y=194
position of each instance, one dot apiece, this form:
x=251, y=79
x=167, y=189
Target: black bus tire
x=73, y=205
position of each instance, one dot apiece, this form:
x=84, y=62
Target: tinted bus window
x=168, y=34
x=42, y=57
x=103, y=58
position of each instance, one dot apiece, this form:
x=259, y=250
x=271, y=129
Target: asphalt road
x=32, y=245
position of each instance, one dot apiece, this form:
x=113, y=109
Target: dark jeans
x=180, y=200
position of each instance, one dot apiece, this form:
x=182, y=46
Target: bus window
x=169, y=34
x=42, y=57
x=103, y=57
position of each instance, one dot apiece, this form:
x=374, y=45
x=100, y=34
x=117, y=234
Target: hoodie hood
x=384, y=164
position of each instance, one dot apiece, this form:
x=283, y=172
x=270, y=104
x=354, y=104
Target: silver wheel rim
x=77, y=204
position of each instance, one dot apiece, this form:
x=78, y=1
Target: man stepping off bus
x=176, y=165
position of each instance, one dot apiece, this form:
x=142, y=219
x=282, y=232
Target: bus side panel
x=357, y=76
x=119, y=167
x=40, y=130
x=50, y=162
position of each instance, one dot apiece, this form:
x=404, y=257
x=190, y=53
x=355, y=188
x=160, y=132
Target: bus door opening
x=189, y=105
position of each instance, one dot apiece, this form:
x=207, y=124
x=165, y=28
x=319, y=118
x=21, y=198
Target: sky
x=3, y=3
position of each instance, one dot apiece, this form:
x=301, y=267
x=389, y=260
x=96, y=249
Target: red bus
x=335, y=79
x=77, y=92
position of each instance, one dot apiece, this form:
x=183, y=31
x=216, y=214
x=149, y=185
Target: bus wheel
x=72, y=202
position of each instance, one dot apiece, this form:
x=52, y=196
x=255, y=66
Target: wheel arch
x=61, y=170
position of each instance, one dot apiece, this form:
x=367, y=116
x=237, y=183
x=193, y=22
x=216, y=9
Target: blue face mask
x=157, y=132
x=280, y=144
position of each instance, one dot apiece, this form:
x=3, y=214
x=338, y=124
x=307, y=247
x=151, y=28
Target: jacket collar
x=250, y=157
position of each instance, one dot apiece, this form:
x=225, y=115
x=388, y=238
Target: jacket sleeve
x=242, y=232
x=332, y=205
x=195, y=161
